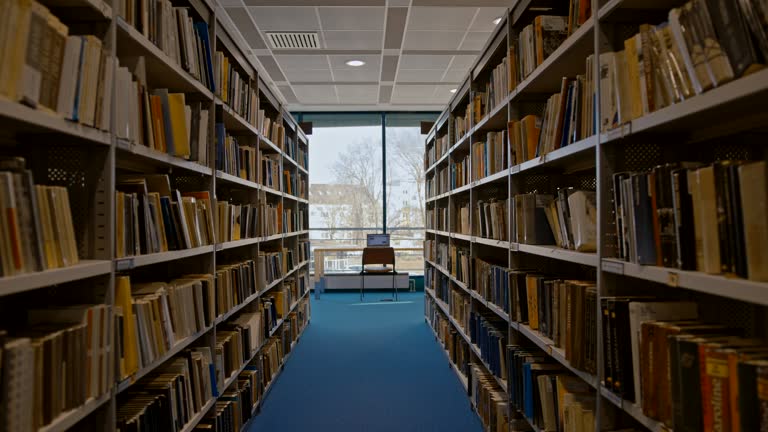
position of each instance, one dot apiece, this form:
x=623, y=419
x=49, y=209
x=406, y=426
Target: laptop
x=378, y=240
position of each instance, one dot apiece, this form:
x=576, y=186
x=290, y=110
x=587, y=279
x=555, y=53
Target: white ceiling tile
x=354, y=40
x=425, y=61
x=413, y=75
x=282, y=18
x=413, y=93
x=308, y=75
x=302, y=61
x=352, y=18
x=475, y=41
x=432, y=40
x=455, y=75
x=440, y=18
x=462, y=61
x=372, y=61
x=315, y=94
x=356, y=75
x=358, y=94
x=484, y=20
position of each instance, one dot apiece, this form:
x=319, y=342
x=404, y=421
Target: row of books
x=437, y=219
x=568, y=220
x=234, y=158
x=459, y=305
x=170, y=396
x=702, y=46
x=491, y=219
x=491, y=282
x=159, y=119
x=43, y=66
x=151, y=218
x=695, y=216
x=436, y=151
x=559, y=309
x=489, y=399
x=36, y=222
x=294, y=220
x=302, y=157
x=236, y=343
x=275, y=265
x=535, y=43
x=460, y=172
x=459, y=263
x=236, y=221
x=455, y=345
x=183, y=38
x=569, y=115
x=461, y=126
x=270, y=170
x=489, y=157
x=524, y=138
x=237, y=282
x=461, y=222
x=439, y=183
x=154, y=317
x=489, y=332
x=304, y=250
x=272, y=130
x=271, y=218
x=236, y=89
x=549, y=397
x=438, y=282
x=59, y=360
x=497, y=88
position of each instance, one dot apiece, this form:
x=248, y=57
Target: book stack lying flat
x=171, y=396
x=36, y=223
x=152, y=218
x=72, y=77
x=695, y=216
x=181, y=36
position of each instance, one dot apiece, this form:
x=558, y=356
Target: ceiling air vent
x=293, y=40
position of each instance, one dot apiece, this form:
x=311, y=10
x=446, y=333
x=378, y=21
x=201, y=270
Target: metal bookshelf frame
x=598, y=157
x=97, y=156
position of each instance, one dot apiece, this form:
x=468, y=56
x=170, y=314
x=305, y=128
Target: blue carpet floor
x=372, y=367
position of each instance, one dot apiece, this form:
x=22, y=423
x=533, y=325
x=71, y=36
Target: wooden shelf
x=571, y=158
x=464, y=237
x=728, y=287
x=633, y=410
x=21, y=119
x=491, y=179
x=29, y=281
x=142, y=156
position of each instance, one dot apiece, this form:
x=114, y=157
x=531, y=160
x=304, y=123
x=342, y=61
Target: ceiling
x=415, y=51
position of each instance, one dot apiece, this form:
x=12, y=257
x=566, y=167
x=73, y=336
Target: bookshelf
x=719, y=123
x=93, y=159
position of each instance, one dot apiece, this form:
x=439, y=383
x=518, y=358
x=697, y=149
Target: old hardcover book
x=753, y=188
x=550, y=32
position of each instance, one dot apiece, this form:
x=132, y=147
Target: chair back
x=379, y=255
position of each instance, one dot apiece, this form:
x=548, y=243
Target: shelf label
x=613, y=267
x=124, y=264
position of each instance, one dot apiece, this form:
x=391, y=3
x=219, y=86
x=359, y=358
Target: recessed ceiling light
x=497, y=21
x=355, y=63
x=453, y=90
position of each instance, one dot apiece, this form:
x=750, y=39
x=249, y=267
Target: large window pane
x=346, y=190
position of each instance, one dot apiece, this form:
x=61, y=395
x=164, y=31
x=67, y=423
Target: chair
x=382, y=256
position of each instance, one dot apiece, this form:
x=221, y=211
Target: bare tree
x=361, y=167
x=407, y=151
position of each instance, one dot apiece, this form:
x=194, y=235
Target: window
x=347, y=185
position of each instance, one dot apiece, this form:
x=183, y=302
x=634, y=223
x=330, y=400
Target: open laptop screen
x=381, y=240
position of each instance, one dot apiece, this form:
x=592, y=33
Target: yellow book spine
x=179, y=124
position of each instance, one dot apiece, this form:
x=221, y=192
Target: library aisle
x=371, y=366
